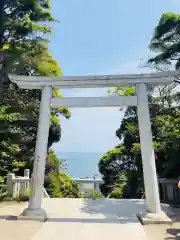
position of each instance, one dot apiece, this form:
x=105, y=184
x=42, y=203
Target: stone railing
x=88, y=184
x=169, y=192
x=19, y=187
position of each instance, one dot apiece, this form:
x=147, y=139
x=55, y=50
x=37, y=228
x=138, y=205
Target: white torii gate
x=140, y=81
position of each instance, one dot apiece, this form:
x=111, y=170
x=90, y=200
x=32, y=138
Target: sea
x=80, y=164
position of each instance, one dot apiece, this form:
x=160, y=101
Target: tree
x=165, y=118
x=23, y=105
x=24, y=30
x=165, y=42
x=24, y=41
x=125, y=159
x=21, y=27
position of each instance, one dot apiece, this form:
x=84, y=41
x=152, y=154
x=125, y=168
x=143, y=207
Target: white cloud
x=136, y=66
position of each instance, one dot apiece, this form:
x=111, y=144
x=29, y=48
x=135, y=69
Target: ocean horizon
x=80, y=164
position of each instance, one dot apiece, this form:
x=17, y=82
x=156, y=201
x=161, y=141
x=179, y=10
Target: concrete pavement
x=91, y=220
x=77, y=219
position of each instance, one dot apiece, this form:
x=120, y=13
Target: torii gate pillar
x=34, y=210
x=154, y=213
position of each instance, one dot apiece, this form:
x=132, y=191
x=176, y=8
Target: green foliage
x=57, y=183
x=116, y=193
x=124, y=161
x=3, y=191
x=89, y=193
x=165, y=44
x=61, y=186
x=23, y=51
x=24, y=33
x=164, y=106
x=166, y=41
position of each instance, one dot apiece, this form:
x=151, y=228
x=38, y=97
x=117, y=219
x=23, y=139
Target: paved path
x=77, y=219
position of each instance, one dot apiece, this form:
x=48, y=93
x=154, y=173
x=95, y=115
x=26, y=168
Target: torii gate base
x=34, y=210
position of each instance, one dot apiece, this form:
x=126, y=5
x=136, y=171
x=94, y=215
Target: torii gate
x=140, y=81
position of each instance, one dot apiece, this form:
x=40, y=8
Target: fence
x=19, y=187
x=88, y=184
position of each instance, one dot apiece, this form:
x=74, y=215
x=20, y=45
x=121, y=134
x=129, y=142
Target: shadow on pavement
x=125, y=209
x=8, y=217
x=83, y=220
x=173, y=232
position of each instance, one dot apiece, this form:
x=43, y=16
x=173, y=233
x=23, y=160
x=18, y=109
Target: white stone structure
x=140, y=81
x=19, y=187
x=88, y=184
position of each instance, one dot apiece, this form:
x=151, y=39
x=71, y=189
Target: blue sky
x=101, y=37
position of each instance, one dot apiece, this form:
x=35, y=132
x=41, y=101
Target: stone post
x=10, y=178
x=22, y=188
x=27, y=182
x=26, y=173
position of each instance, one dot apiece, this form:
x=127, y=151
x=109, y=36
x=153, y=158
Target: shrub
x=60, y=185
x=89, y=193
x=116, y=193
x=3, y=190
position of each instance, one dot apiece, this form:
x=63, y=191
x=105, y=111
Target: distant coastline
x=81, y=164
